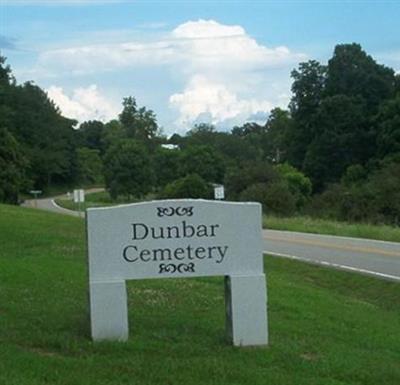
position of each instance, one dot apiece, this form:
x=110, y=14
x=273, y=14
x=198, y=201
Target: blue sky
x=222, y=62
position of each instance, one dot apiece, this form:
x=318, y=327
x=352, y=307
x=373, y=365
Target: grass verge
x=328, y=227
x=96, y=199
x=300, y=224
x=326, y=327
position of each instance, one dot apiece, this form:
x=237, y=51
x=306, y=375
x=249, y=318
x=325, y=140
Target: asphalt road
x=49, y=204
x=377, y=258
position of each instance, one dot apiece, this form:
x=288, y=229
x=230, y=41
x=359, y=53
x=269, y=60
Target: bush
x=190, y=186
x=375, y=199
x=338, y=202
x=354, y=175
x=299, y=185
x=275, y=197
x=385, y=190
x=237, y=180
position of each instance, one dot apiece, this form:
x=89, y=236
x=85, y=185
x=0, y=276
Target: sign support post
x=246, y=304
x=109, y=310
x=35, y=194
x=79, y=198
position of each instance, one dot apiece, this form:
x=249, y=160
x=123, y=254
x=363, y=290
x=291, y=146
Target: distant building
x=170, y=146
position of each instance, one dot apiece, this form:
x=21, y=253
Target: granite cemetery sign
x=177, y=238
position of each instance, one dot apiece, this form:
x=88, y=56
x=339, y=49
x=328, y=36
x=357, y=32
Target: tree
x=128, y=170
x=254, y=135
x=89, y=166
x=201, y=128
x=341, y=138
x=139, y=123
x=249, y=128
x=232, y=149
x=167, y=164
x=190, y=186
x=91, y=133
x=12, y=168
x=202, y=134
x=46, y=137
x=6, y=77
x=235, y=149
x=353, y=73
x=388, y=128
x=275, y=143
x=7, y=94
x=112, y=132
x=308, y=89
x=204, y=161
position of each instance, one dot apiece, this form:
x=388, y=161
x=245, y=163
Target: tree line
x=334, y=152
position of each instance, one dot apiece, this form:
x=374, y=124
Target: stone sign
x=177, y=238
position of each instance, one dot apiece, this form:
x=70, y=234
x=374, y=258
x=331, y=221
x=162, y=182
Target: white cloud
x=205, y=98
x=391, y=58
x=223, y=69
x=84, y=104
x=207, y=44
x=195, y=45
x=225, y=83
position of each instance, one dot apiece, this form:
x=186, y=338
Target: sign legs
x=246, y=310
x=245, y=300
x=109, y=311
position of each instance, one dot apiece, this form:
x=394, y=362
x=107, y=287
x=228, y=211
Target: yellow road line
x=332, y=246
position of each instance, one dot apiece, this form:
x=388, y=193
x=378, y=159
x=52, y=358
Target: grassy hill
x=326, y=327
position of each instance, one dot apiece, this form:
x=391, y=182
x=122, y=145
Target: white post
x=108, y=311
x=246, y=310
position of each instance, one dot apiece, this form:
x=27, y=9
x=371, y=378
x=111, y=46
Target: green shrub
x=384, y=185
x=299, y=185
x=354, y=175
x=327, y=204
x=375, y=199
x=190, y=186
x=275, y=197
x=237, y=180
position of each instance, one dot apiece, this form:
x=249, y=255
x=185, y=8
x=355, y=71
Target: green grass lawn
x=326, y=327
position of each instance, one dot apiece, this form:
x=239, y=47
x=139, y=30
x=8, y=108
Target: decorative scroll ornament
x=171, y=211
x=172, y=268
